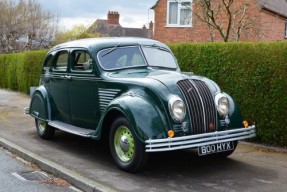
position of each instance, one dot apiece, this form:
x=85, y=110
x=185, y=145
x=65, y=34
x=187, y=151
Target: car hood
x=162, y=78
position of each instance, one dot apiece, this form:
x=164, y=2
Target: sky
x=133, y=13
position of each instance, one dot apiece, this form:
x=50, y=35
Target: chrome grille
x=200, y=105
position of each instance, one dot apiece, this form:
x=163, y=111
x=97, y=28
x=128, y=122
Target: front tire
x=126, y=150
x=44, y=130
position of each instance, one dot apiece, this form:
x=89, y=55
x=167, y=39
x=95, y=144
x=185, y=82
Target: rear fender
x=40, y=104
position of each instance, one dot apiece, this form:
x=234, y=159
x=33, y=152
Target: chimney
x=113, y=17
x=151, y=26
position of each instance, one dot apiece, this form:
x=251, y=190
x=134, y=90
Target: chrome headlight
x=222, y=104
x=177, y=108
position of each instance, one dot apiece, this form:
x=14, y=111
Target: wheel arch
x=144, y=118
x=234, y=114
x=40, y=105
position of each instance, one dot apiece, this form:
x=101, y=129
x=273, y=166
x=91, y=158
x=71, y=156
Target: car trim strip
x=194, y=141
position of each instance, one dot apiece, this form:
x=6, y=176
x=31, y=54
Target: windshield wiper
x=112, y=49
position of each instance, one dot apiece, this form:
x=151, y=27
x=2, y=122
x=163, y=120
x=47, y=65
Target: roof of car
x=105, y=42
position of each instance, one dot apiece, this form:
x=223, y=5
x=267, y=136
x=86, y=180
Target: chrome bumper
x=26, y=110
x=193, y=141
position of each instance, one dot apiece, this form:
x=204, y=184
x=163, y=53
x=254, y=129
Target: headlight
x=176, y=108
x=222, y=104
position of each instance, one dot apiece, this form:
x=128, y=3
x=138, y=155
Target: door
x=59, y=87
x=83, y=91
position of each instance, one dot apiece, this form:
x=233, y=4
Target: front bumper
x=194, y=141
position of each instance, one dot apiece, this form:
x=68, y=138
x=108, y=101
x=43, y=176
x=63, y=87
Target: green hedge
x=20, y=71
x=254, y=74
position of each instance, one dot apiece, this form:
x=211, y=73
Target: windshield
x=121, y=57
x=159, y=57
x=133, y=56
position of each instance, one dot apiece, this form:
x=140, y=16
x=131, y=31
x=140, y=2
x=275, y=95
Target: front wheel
x=44, y=130
x=127, y=151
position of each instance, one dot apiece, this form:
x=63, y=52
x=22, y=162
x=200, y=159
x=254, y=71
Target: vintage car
x=131, y=92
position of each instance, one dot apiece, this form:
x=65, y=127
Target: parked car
x=131, y=91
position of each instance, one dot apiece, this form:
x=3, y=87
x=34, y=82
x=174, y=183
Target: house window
x=179, y=13
x=286, y=29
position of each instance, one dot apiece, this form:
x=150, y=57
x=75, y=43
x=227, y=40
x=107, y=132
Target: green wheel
x=44, y=130
x=127, y=151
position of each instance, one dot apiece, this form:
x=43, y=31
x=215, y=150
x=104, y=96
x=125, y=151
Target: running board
x=71, y=129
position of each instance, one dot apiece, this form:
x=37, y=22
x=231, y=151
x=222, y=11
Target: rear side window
x=48, y=63
x=62, y=61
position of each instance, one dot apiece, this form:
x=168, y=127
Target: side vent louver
x=106, y=96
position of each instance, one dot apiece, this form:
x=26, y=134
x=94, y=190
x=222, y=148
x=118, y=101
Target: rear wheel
x=127, y=151
x=44, y=130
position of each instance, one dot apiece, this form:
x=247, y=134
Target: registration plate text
x=215, y=148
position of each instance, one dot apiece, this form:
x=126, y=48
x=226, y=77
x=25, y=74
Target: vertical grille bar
x=200, y=105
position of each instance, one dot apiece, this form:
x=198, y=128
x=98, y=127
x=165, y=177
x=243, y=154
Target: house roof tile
x=276, y=6
x=116, y=30
x=155, y=4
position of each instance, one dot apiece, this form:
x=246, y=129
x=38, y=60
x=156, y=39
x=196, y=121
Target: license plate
x=215, y=148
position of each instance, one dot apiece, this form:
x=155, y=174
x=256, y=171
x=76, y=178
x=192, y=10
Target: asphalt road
x=11, y=170
x=250, y=168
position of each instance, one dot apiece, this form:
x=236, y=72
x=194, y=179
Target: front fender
x=145, y=118
x=40, y=104
x=234, y=114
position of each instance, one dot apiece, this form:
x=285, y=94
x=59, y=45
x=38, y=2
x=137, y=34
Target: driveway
x=250, y=168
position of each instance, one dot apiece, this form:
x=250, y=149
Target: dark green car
x=131, y=91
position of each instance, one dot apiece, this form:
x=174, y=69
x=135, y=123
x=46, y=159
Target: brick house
x=175, y=21
x=112, y=28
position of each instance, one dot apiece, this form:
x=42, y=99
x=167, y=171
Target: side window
x=48, y=63
x=62, y=61
x=81, y=61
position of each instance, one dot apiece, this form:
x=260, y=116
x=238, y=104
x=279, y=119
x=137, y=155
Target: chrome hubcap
x=42, y=126
x=124, y=143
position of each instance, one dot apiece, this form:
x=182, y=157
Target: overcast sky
x=133, y=13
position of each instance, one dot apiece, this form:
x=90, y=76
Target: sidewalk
x=19, y=175
x=16, y=127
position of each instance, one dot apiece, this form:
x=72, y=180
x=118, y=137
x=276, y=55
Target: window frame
x=83, y=70
x=55, y=61
x=104, y=66
x=179, y=8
